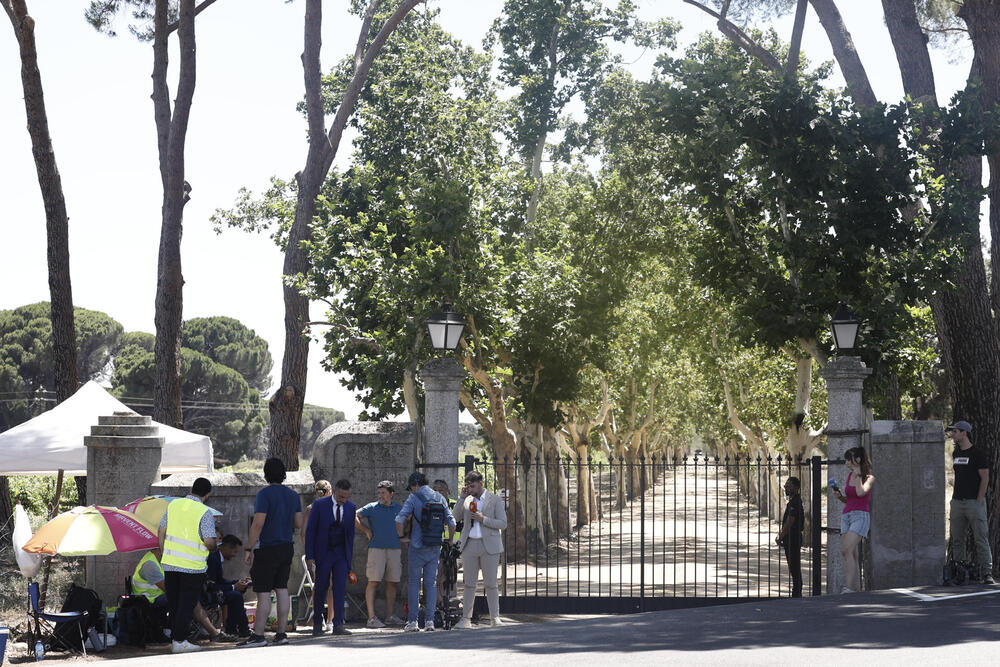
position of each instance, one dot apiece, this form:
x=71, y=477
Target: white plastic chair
x=305, y=613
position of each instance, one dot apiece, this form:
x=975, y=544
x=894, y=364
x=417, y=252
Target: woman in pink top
x=855, y=520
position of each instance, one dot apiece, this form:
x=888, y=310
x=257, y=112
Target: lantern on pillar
x=844, y=326
x=445, y=328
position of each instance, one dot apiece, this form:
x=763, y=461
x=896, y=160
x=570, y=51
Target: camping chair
x=43, y=628
x=305, y=610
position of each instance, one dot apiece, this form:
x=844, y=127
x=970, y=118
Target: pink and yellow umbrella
x=92, y=531
x=151, y=509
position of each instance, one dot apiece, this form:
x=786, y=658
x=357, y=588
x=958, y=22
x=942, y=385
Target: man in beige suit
x=485, y=516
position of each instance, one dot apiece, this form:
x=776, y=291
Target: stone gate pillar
x=845, y=378
x=908, y=540
x=442, y=378
x=123, y=459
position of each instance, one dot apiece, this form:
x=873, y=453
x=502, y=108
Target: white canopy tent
x=53, y=440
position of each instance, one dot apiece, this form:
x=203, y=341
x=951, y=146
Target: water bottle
x=39, y=651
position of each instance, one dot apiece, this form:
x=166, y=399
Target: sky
x=244, y=128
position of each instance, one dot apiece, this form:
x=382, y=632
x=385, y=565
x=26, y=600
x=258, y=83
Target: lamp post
x=845, y=379
x=442, y=378
x=844, y=326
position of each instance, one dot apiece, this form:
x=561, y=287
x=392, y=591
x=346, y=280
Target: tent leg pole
x=48, y=561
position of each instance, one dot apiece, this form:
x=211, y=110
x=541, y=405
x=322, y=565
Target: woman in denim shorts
x=856, y=519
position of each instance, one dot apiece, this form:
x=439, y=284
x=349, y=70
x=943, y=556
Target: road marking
x=923, y=597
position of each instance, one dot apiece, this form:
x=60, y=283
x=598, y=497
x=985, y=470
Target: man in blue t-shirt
x=384, y=551
x=277, y=514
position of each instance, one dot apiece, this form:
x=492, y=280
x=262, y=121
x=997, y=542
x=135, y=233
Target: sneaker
x=224, y=638
x=464, y=624
x=394, y=620
x=280, y=639
x=373, y=622
x=988, y=579
x=411, y=627
x=328, y=626
x=429, y=626
x=496, y=622
x=253, y=641
x=183, y=647
x=845, y=590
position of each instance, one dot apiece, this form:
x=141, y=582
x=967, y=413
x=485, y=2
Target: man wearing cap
x=968, y=501
x=421, y=558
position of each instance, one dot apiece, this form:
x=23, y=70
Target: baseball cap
x=961, y=426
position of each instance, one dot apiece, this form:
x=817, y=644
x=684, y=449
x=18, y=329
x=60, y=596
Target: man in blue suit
x=329, y=551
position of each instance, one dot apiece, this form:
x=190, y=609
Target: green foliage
x=554, y=50
x=408, y=226
x=26, y=366
x=217, y=400
x=797, y=199
x=36, y=494
x=102, y=15
x=230, y=343
x=315, y=419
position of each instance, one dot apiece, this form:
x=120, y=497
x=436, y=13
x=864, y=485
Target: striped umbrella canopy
x=92, y=531
x=152, y=508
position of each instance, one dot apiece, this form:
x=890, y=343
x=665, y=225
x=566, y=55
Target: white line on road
x=923, y=597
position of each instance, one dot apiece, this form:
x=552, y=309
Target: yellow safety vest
x=139, y=583
x=182, y=544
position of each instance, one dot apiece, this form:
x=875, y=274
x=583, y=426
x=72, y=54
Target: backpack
x=79, y=599
x=135, y=621
x=432, y=522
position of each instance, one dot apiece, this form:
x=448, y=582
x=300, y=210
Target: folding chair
x=43, y=629
x=305, y=611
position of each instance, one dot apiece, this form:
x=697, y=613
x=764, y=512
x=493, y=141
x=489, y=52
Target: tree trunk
x=893, y=399
x=56, y=219
x=6, y=510
x=171, y=131
x=558, y=487
x=287, y=402
x=983, y=21
x=844, y=51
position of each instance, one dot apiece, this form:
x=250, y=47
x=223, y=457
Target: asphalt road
x=885, y=627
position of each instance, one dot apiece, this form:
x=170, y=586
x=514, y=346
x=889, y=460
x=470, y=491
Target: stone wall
x=908, y=531
x=366, y=453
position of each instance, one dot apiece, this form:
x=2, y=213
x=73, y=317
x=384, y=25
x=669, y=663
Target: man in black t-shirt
x=790, y=536
x=968, y=504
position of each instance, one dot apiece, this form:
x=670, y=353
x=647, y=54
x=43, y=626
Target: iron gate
x=656, y=533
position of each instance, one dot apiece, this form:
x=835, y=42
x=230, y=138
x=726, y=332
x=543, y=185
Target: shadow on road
x=883, y=619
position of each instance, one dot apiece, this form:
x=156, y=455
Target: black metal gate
x=650, y=534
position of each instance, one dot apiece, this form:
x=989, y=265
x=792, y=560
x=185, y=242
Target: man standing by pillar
x=481, y=545
x=277, y=515
x=187, y=533
x=384, y=552
x=329, y=551
x=968, y=504
x=430, y=513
